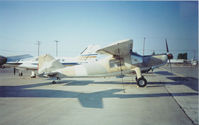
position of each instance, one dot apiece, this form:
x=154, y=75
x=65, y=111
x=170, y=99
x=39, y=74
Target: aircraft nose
x=169, y=56
x=3, y=60
x=164, y=58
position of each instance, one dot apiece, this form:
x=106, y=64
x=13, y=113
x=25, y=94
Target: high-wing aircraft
x=120, y=60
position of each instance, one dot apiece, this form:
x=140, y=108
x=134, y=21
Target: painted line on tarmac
x=177, y=74
x=179, y=106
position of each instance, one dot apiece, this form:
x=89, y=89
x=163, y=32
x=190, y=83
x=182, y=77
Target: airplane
x=12, y=61
x=88, y=54
x=120, y=60
x=3, y=60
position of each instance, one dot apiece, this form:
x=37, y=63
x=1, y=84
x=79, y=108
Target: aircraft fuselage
x=112, y=66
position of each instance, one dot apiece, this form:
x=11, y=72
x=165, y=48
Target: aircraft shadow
x=193, y=84
x=77, y=83
x=190, y=82
x=163, y=73
x=87, y=100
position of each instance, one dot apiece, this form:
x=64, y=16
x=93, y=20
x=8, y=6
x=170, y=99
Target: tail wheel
x=141, y=82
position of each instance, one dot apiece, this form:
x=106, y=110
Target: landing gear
x=141, y=82
x=20, y=73
x=33, y=75
x=54, y=81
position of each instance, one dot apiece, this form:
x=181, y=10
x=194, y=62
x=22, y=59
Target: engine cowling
x=169, y=56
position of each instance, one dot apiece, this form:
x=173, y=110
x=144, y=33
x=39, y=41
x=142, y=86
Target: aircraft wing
x=13, y=61
x=18, y=57
x=120, y=48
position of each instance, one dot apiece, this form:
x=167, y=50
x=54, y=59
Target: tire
x=136, y=79
x=141, y=82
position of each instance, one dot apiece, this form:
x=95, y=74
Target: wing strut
x=121, y=69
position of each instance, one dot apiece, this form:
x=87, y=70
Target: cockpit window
x=136, y=58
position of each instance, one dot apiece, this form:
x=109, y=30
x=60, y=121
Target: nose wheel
x=141, y=82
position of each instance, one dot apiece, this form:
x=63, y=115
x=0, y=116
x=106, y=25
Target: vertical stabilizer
x=48, y=64
x=90, y=50
x=89, y=54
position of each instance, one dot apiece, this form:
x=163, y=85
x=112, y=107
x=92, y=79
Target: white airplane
x=121, y=60
x=87, y=55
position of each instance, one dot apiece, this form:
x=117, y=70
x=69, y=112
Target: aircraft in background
x=87, y=55
x=3, y=60
x=12, y=61
x=120, y=60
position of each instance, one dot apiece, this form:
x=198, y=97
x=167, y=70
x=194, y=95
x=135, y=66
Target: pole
x=38, y=43
x=56, y=47
x=143, y=45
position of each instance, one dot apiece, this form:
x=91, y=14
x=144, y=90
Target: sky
x=79, y=24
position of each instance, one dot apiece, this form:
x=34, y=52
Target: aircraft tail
x=48, y=64
x=91, y=49
x=89, y=53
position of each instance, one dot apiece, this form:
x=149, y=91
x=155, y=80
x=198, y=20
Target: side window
x=116, y=63
x=136, y=59
x=34, y=64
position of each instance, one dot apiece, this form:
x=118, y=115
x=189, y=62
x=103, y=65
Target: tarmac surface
x=170, y=98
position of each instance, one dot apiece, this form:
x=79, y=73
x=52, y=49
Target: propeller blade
x=169, y=55
x=167, y=46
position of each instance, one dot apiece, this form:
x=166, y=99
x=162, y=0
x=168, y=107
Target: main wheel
x=53, y=82
x=141, y=82
x=136, y=79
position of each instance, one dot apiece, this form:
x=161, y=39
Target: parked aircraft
x=121, y=60
x=87, y=55
x=12, y=60
x=3, y=60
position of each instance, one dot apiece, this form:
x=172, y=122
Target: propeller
x=169, y=55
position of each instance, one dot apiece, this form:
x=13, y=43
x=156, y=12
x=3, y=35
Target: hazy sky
x=78, y=24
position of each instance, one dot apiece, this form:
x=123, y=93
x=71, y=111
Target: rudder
x=48, y=64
